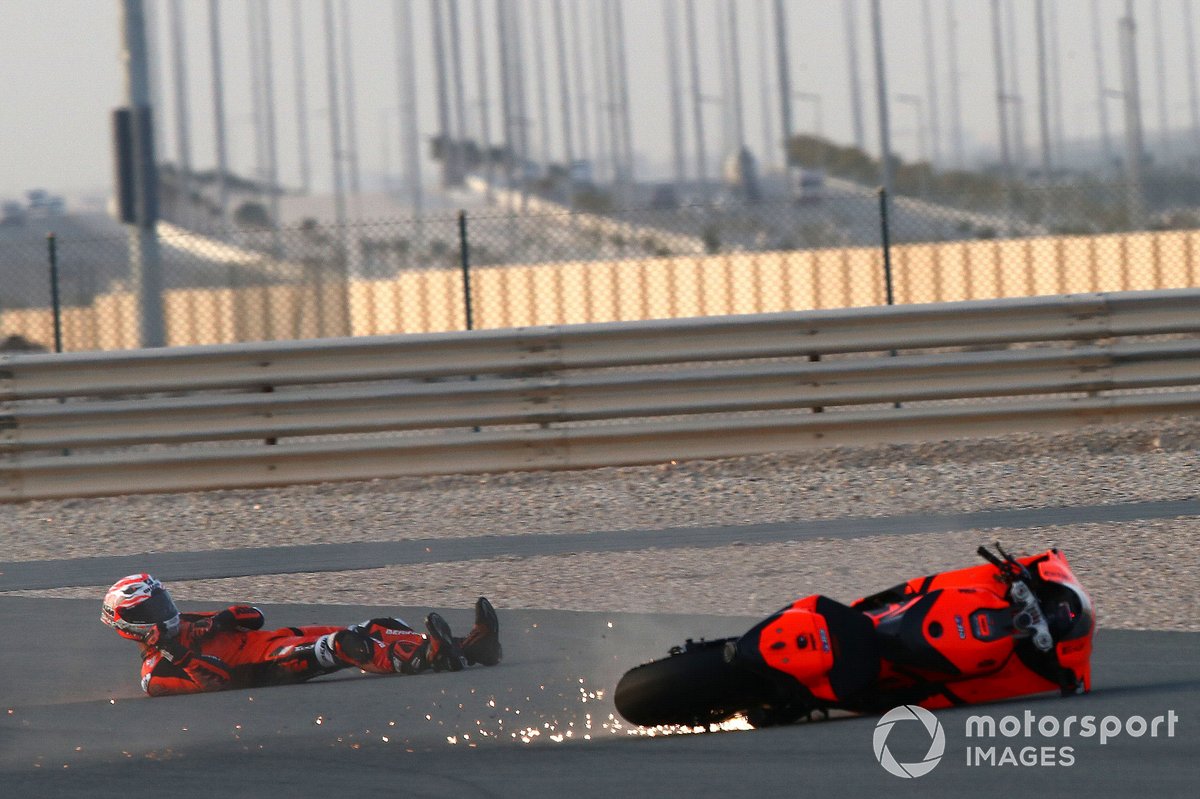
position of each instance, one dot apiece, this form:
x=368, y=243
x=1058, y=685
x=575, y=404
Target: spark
x=320, y=719
x=610, y=625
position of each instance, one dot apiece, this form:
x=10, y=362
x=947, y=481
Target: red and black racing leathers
x=229, y=649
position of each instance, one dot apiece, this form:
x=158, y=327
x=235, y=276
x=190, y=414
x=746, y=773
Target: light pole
x=885, y=135
x=143, y=235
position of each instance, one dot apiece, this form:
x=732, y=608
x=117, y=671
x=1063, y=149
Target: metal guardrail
x=585, y=395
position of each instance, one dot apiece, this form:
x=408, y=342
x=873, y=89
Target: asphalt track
x=73, y=722
x=213, y=564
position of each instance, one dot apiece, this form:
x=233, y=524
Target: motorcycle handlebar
x=1030, y=618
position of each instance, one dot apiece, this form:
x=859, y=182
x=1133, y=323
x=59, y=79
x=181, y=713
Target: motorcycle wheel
x=694, y=687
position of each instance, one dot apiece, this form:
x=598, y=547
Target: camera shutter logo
x=929, y=722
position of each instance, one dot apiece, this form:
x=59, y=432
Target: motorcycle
x=1006, y=628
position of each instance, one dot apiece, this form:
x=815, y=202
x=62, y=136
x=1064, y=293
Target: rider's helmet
x=137, y=603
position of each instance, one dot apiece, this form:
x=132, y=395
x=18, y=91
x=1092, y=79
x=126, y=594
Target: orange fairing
x=797, y=642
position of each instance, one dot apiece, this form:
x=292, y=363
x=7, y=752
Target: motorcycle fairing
x=1067, y=669
x=825, y=646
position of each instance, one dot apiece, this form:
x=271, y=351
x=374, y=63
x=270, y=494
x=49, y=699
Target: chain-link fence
x=525, y=261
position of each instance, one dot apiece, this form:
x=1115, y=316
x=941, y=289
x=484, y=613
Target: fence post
x=886, y=239
x=464, y=254
x=55, y=304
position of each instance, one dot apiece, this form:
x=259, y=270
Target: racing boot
x=482, y=644
x=445, y=653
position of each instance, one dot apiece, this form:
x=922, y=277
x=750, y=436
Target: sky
x=63, y=76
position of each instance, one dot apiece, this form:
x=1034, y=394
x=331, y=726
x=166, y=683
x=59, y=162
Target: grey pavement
x=210, y=564
x=73, y=723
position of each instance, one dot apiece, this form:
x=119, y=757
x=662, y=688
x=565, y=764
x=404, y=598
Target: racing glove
x=156, y=635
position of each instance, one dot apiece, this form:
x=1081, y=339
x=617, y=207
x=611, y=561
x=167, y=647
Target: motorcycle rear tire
x=693, y=688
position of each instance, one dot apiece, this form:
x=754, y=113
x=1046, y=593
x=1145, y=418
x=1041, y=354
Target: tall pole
x=622, y=67
x=1002, y=109
x=352, y=170
x=931, y=93
x=506, y=103
x=856, y=101
x=143, y=238
x=1160, y=78
x=697, y=97
x=1043, y=96
x=671, y=31
x=881, y=96
x=522, y=108
x=1056, y=105
x=269, y=130
x=301, y=92
x=406, y=70
x=155, y=67
x=1016, y=99
x=1133, y=119
x=735, y=75
x=218, y=99
x=582, y=109
x=766, y=122
x=460, y=112
x=956, y=124
x=542, y=80
x=600, y=94
x=725, y=99
x=257, y=103
x=564, y=99
x=1193, y=83
x=1102, y=87
x=785, y=79
x=1001, y=95
x=445, y=136
x=481, y=79
x=182, y=122
x=613, y=93
x=335, y=126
